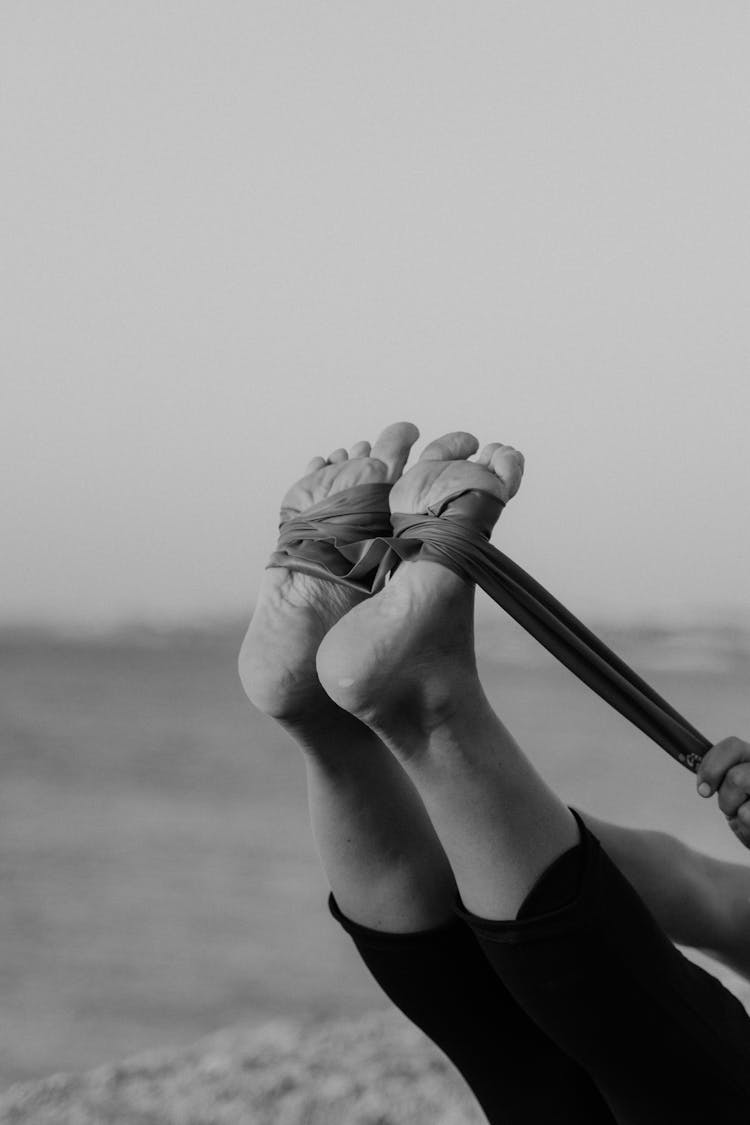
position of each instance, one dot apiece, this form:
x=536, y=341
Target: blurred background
x=236, y=235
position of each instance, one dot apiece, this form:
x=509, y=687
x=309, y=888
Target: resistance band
x=352, y=538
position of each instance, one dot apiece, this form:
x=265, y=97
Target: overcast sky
x=238, y=234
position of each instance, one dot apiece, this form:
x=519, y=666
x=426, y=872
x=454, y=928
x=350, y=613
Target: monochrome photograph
x=375, y=601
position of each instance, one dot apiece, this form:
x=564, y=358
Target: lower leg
x=394, y=893
x=499, y=823
x=380, y=853
x=382, y=857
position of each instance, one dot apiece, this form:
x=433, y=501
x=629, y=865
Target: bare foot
x=403, y=655
x=294, y=611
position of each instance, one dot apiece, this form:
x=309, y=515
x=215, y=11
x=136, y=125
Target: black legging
x=580, y=1010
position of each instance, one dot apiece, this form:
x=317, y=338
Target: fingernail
x=704, y=789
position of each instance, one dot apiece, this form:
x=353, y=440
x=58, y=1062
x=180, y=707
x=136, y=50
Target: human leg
x=393, y=886
x=383, y=860
x=403, y=662
x=376, y=844
x=596, y=973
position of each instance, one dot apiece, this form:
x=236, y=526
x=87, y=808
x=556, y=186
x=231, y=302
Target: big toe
x=506, y=463
x=393, y=445
x=456, y=446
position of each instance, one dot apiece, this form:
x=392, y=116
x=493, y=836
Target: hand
x=726, y=770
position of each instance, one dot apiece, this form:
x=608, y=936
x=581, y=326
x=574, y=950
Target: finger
x=734, y=789
x=315, y=464
x=741, y=830
x=359, y=449
x=338, y=455
x=720, y=758
x=743, y=815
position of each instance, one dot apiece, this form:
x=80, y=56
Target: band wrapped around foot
x=342, y=539
x=351, y=539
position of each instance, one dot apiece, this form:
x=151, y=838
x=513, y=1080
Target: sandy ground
x=377, y=1070
x=374, y=1070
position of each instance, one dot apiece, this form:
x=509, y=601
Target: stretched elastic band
x=463, y=549
x=327, y=546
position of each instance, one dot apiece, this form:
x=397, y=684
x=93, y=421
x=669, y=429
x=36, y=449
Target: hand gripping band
x=447, y=534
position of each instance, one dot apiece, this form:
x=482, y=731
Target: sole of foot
x=294, y=611
x=405, y=656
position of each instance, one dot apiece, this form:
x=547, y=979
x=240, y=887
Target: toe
x=315, y=464
x=485, y=457
x=337, y=455
x=359, y=449
x=456, y=446
x=393, y=445
x=507, y=463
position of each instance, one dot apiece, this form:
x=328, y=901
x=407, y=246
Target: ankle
x=426, y=711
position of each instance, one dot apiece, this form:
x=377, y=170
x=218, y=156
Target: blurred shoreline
x=720, y=636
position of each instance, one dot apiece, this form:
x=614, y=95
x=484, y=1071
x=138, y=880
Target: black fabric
x=349, y=539
x=443, y=983
x=663, y=1040
x=581, y=1013
x=556, y=887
